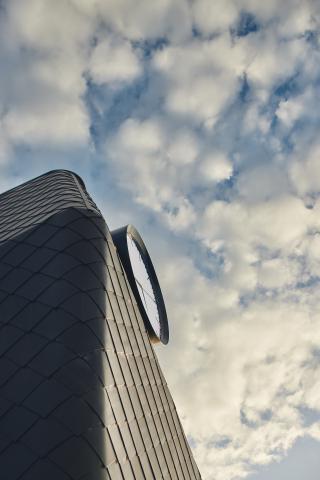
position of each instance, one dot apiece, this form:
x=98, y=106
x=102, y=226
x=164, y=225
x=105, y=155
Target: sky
x=197, y=121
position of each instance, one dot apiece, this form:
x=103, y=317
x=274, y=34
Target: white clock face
x=144, y=285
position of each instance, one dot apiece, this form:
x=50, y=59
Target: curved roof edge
x=63, y=170
x=34, y=200
x=54, y=171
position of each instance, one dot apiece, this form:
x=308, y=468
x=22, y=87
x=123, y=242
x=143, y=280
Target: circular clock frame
x=120, y=239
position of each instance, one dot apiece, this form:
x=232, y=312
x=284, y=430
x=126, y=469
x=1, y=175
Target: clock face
x=144, y=284
x=143, y=281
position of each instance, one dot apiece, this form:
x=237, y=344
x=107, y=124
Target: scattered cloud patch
x=197, y=120
x=247, y=24
x=113, y=63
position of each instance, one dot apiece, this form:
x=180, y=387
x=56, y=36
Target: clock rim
x=120, y=238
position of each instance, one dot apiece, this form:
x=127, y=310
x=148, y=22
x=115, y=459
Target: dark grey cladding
x=82, y=396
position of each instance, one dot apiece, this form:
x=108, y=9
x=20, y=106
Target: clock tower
x=82, y=395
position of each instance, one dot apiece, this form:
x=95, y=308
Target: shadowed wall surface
x=82, y=396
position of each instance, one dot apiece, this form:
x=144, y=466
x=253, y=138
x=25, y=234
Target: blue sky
x=197, y=121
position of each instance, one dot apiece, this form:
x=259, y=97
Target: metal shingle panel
x=76, y=362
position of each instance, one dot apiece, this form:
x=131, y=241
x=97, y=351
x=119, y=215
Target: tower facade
x=82, y=395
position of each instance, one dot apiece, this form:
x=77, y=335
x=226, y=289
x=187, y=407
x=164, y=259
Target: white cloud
x=311, y=249
x=257, y=119
x=144, y=150
x=263, y=182
x=297, y=20
x=240, y=272
x=5, y=150
x=288, y=13
x=277, y=273
x=289, y=112
x=141, y=137
x=184, y=148
x=255, y=365
x=243, y=325
x=61, y=73
x=298, y=108
x=113, y=62
x=274, y=61
x=136, y=151
x=136, y=19
x=305, y=171
x=216, y=167
x=61, y=125
x=199, y=83
x=46, y=26
x=201, y=98
x=44, y=56
x=255, y=356
x=280, y=223
x=214, y=16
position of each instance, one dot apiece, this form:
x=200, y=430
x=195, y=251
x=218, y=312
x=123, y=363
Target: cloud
x=213, y=17
x=198, y=119
x=144, y=150
x=274, y=61
x=113, y=63
x=45, y=27
x=199, y=84
x=216, y=167
x=267, y=180
x=305, y=172
x=62, y=124
x=278, y=273
x=255, y=366
x=184, y=148
x=246, y=325
x=136, y=19
x=42, y=87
